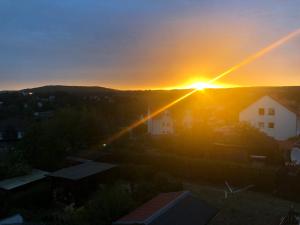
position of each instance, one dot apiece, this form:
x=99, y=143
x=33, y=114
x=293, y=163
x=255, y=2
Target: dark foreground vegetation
x=133, y=186
x=81, y=123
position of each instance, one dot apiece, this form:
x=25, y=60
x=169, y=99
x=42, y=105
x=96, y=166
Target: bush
x=13, y=165
x=152, y=186
x=205, y=169
x=106, y=206
x=47, y=143
x=257, y=142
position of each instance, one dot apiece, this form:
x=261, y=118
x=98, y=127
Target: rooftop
x=16, y=219
x=289, y=105
x=12, y=183
x=180, y=208
x=83, y=170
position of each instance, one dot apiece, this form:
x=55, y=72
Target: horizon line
x=148, y=89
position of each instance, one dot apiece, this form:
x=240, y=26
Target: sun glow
x=203, y=85
x=209, y=84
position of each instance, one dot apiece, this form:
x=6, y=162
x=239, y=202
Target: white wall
x=188, y=120
x=284, y=120
x=161, y=125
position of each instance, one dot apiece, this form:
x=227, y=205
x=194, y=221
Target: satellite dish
x=295, y=155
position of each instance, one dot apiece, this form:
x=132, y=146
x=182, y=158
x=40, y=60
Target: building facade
x=272, y=117
x=162, y=124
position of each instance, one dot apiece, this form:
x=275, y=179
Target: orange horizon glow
x=203, y=85
x=186, y=85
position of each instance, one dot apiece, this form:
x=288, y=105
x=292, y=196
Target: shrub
x=105, y=206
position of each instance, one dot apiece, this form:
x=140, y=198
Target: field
x=245, y=208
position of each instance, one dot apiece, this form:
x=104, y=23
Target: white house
x=188, y=120
x=161, y=124
x=272, y=117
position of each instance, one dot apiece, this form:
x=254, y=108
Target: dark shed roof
x=82, y=170
x=180, y=208
x=16, y=182
x=13, y=220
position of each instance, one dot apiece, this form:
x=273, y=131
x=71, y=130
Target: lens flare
x=140, y=122
x=202, y=86
x=258, y=54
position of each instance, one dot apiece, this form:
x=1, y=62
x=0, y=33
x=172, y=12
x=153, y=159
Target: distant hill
x=224, y=103
x=285, y=90
x=70, y=89
x=238, y=96
x=232, y=94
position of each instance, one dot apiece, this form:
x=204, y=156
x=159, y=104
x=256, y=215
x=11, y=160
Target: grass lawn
x=245, y=208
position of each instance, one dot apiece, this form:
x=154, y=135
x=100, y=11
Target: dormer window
x=261, y=111
x=271, y=111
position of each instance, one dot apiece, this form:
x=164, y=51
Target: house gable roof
x=285, y=104
x=280, y=101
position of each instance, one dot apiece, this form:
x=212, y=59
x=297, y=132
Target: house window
x=19, y=135
x=261, y=125
x=271, y=111
x=271, y=125
x=261, y=111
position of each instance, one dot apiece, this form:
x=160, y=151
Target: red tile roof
x=150, y=208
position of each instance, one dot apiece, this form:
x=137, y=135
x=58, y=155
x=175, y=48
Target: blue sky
x=144, y=43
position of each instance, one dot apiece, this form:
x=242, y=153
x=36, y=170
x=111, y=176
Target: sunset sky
x=146, y=44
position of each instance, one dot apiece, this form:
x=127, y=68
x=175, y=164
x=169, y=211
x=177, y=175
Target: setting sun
x=204, y=85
